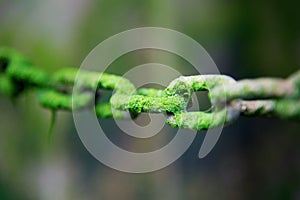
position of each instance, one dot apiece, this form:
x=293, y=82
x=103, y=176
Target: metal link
x=72, y=89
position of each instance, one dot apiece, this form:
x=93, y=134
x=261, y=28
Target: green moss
x=295, y=78
x=27, y=75
x=55, y=100
x=197, y=120
x=150, y=92
x=287, y=108
x=104, y=110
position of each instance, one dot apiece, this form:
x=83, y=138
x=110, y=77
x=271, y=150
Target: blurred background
x=255, y=158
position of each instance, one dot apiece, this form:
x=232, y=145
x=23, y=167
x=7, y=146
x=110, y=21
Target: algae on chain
x=287, y=108
x=179, y=87
x=191, y=120
x=18, y=68
x=55, y=100
x=65, y=76
x=205, y=83
x=139, y=103
x=172, y=99
x=295, y=78
x=104, y=110
x=84, y=79
x=150, y=92
x=92, y=80
x=261, y=88
x=28, y=76
x=17, y=73
x=197, y=120
x=200, y=120
x=214, y=84
x=116, y=83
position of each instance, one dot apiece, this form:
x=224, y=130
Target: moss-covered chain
x=70, y=89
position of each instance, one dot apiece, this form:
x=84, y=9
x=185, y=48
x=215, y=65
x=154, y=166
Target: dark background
x=255, y=158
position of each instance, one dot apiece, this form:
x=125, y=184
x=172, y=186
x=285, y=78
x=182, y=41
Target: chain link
x=72, y=89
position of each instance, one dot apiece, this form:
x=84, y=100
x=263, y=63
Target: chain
x=72, y=89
